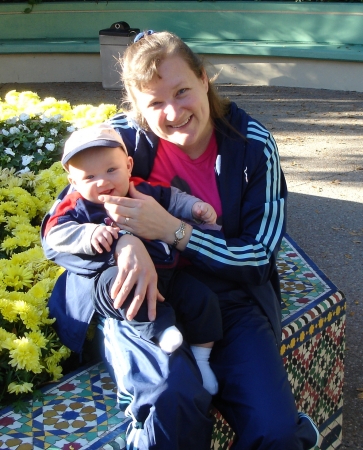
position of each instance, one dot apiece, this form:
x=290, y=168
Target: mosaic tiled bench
x=80, y=411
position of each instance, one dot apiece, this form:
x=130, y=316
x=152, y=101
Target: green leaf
x=21, y=407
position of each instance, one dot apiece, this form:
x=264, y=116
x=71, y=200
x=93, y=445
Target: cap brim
x=97, y=143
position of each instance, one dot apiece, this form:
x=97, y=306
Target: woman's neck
x=194, y=151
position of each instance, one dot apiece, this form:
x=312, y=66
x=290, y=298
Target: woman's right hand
x=135, y=268
x=142, y=215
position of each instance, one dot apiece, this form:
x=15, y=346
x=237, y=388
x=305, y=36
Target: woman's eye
x=154, y=104
x=89, y=177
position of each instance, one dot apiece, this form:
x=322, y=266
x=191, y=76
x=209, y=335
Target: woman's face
x=176, y=106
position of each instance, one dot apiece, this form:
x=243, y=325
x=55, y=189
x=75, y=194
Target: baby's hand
x=103, y=236
x=204, y=212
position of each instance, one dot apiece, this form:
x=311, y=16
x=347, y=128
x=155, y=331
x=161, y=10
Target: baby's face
x=100, y=170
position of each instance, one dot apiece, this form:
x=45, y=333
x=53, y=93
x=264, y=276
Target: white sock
x=201, y=355
x=170, y=339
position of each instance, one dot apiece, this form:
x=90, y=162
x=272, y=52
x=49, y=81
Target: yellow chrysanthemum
x=55, y=372
x=18, y=277
x=20, y=388
x=27, y=179
x=13, y=221
x=7, y=208
x=12, y=181
x=7, y=310
x=51, y=274
x=12, y=97
x=38, y=338
x=29, y=314
x=52, y=360
x=33, y=256
x=25, y=235
x=25, y=203
x=25, y=355
x=45, y=317
x=14, y=296
x=3, y=265
x=64, y=352
x=9, y=245
x=6, y=339
x=40, y=291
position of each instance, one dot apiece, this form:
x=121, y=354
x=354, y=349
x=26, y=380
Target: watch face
x=179, y=234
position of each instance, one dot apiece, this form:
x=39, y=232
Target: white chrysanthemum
x=23, y=170
x=8, y=151
x=50, y=147
x=24, y=128
x=26, y=159
x=23, y=117
x=40, y=141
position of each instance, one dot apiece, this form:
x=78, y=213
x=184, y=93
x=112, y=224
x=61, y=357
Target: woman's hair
x=140, y=64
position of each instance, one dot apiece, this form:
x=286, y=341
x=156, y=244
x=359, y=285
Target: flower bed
x=32, y=133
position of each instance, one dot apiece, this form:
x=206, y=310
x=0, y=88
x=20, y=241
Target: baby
x=98, y=163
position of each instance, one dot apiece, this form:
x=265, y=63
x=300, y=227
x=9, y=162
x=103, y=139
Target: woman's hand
x=135, y=268
x=141, y=215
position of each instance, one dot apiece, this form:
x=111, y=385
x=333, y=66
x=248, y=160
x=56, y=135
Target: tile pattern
x=303, y=285
x=73, y=414
x=312, y=346
x=80, y=411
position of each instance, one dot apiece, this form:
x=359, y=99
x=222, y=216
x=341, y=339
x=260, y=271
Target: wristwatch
x=179, y=234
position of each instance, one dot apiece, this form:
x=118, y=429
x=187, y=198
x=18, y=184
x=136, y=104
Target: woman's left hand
x=142, y=215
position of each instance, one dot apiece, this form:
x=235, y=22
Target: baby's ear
x=70, y=180
x=130, y=164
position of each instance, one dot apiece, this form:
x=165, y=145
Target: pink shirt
x=194, y=176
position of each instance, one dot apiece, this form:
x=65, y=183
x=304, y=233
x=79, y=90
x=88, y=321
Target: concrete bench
x=80, y=411
x=284, y=41
x=262, y=28
x=322, y=51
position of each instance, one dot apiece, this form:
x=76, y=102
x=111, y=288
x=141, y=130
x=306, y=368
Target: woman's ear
x=205, y=79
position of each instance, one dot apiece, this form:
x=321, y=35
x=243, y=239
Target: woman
x=179, y=131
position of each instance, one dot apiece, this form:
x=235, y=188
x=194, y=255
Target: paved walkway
x=319, y=134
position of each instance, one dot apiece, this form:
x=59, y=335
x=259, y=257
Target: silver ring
x=126, y=220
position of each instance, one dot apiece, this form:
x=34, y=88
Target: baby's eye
x=154, y=104
x=182, y=91
x=89, y=177
x=111, y=169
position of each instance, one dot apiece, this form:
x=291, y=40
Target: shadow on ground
x=331, y=233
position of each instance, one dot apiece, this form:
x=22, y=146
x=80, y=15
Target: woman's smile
x=182, y=124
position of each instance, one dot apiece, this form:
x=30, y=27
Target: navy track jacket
x=253, y=193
